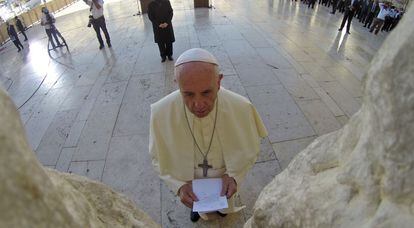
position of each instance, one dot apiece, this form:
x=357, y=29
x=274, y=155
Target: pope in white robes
x=203, y=131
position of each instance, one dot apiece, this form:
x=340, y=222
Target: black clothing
x=349, y=14
x=21, y=28
x=99, y=23
x=373, y=12
x=160, y=11
x=13, y=36
x=334, y=6
x=311, y=2
x=50, y=32
x=166, y=49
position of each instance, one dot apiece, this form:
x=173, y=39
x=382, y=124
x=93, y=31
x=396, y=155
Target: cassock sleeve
x=156, y=145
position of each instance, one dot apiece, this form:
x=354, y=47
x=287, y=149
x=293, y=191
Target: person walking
x=20, y=27
x=13, y=36
x=160, y=14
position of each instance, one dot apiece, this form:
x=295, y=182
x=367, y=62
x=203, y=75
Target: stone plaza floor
x=87, y=111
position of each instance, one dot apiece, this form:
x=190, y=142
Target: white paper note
x=208, y=194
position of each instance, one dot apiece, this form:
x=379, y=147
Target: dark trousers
x=51, y=32
x=377, y=25
x=341, y=6
x=24, y=34
x=311, y=2
x=387, y=23
x=369, y=19
x=18, y=44
x=166, y=49
x=334, y=5
x=98, y=24
x=349, y=14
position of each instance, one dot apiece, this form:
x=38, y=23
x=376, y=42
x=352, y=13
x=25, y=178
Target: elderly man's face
x=199, y=83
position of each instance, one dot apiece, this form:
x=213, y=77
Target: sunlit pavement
x=87, y=111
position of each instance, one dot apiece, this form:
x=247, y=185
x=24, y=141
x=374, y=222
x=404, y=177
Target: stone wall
x=32, y=196
x=363, y=174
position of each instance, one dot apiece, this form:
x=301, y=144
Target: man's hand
x=163, y=25
x=229, y=186
x=187, y=195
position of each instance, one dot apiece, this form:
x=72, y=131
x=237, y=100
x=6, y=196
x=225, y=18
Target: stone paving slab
x=128, y=169
x=287, y=150
x=55, y=136
x=280, y=114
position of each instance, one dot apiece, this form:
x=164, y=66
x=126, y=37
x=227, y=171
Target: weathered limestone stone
x=363, y=174
x=33, y=196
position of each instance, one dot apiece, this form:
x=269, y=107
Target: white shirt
x=96, y=13
x=383, y=12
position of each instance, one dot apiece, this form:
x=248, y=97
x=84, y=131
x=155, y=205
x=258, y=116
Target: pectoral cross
x=205, y=167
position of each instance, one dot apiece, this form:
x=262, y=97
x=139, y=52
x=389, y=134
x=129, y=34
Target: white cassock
x=235, y=146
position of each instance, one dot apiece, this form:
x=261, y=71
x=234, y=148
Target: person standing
x=20, y=27
x=349, y=14
x=203, y=131
x=13, y=36
x=48, y=20
x=98, y=21
x=373, y=11
x=160, y=14
x=334, y=6
x=379, y=20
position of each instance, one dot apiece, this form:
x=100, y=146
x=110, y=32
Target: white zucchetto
x=196, y=55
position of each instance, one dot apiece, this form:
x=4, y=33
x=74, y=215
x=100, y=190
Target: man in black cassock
x=20, y=27
x=160, y=13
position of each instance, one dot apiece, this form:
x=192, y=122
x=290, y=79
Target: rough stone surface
x=362, y=174
x=33, y=196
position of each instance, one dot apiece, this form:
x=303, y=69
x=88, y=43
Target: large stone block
x=33, y=196
x=362, y=174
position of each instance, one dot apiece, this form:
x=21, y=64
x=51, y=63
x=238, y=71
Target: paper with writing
x=208, y=194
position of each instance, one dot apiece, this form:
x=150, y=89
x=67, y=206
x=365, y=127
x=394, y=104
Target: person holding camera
x=97, y=20
x=48, y=20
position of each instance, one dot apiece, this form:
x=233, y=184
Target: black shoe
x=332, y=13
x=221, y=214
x=348, y=33
x=194, y=216
x=340, y=29
x=170, y=58
x=101, y=46
x=18, y=50
x=25, y=40
x=163, y=59
x=109, y=45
